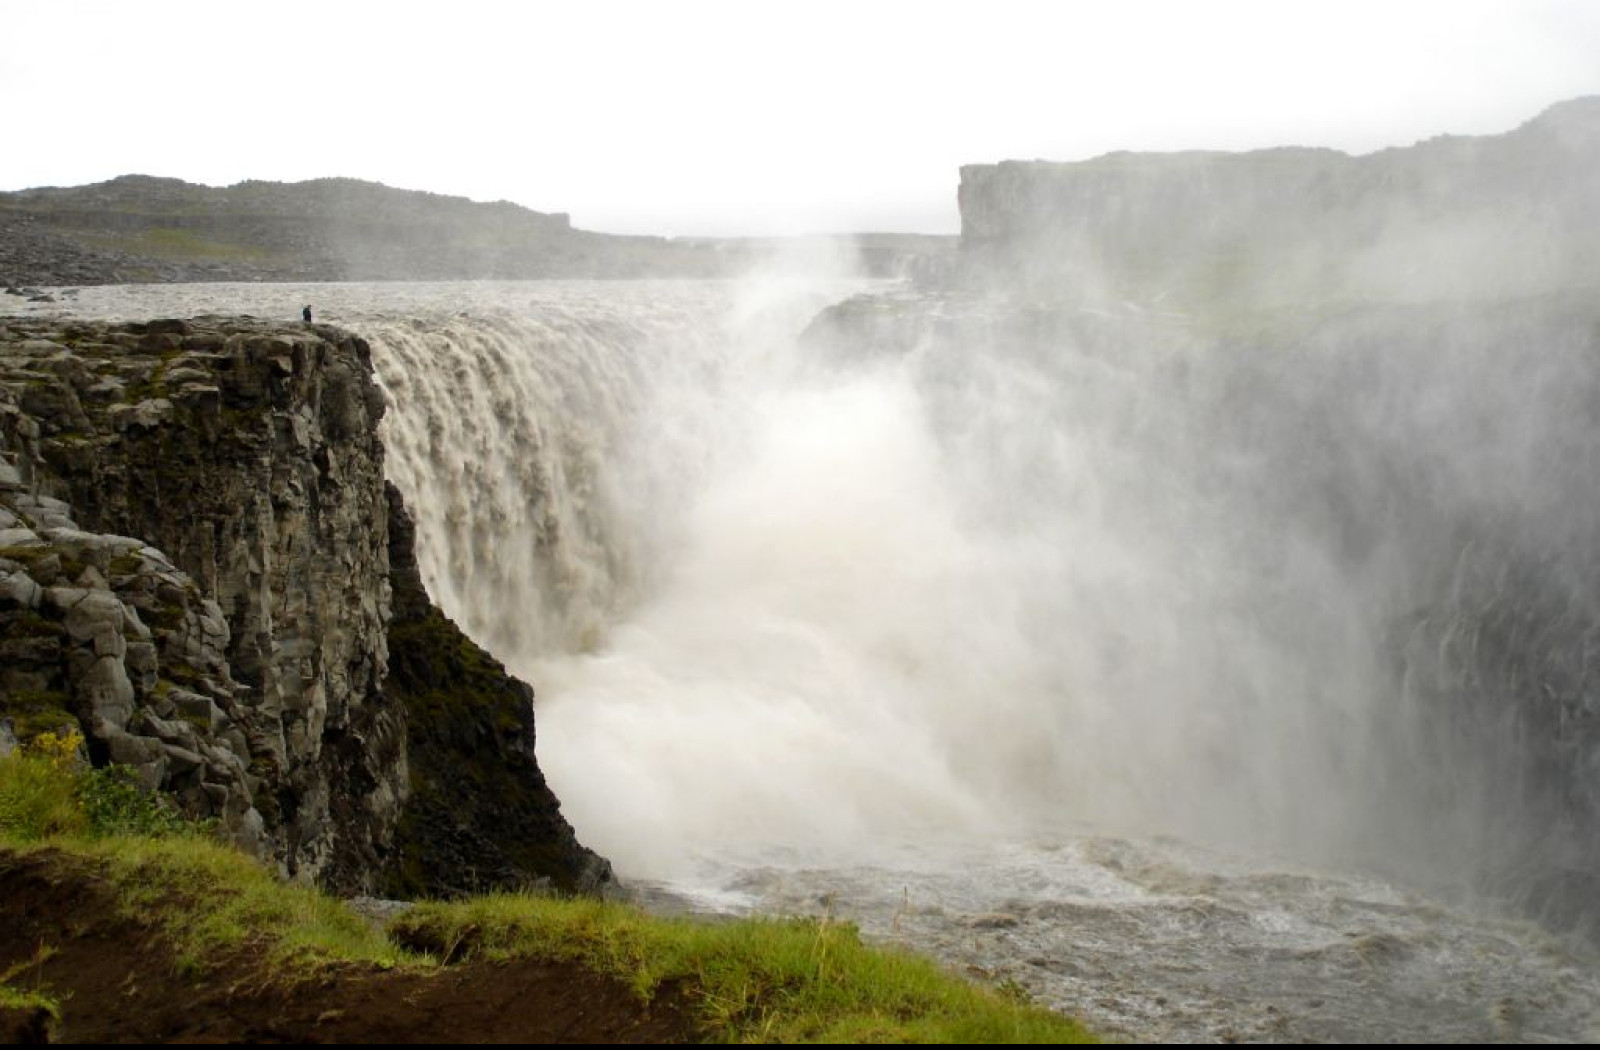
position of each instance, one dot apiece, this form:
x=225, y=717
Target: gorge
x=1202, y=645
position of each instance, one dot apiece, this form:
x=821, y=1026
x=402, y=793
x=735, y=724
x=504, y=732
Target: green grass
x=763, y=980
x=38, y=800
x=209, y=898
x=758, y=980
x=18, y=999
x=212, y=900
x=25, y=999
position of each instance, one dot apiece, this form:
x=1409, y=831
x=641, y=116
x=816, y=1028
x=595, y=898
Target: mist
x=1162, y=630
x=942, y=567
x=1292, y=568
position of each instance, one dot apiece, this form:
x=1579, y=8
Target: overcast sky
x=748, y=117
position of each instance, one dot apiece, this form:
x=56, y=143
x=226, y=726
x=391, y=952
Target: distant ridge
x=141, y=228
x=1451, y=216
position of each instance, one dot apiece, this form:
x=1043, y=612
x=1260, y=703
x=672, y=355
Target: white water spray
x=886, y=628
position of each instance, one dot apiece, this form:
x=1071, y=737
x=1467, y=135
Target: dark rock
x=250, y=672
x=480, y=814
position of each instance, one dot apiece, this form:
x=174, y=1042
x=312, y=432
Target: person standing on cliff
x=306, y=313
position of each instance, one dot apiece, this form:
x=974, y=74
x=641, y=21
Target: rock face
x=1446, y=218
x=242, y=664
x=479, y=813
x=104, y=632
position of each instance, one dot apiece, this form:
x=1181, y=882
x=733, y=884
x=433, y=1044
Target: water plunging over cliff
x=948, y=573
x=835, y=618
x=933, y=629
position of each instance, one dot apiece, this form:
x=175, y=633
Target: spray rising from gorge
x=945, y=619
x=780, y=593
x=1112, y=618
x=867, y=606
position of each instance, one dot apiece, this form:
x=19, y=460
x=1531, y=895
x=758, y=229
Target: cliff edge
x=196, y=551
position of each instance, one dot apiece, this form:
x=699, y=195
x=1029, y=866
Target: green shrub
x=47, y=790
x=113, y=804
x=38, y=797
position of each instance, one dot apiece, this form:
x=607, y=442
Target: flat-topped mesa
x=1447, y=218
x=195, y=559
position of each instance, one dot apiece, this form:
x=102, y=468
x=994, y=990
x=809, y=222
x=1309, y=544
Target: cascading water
x=939, y=618
x=509, y=430
x=1001, y=583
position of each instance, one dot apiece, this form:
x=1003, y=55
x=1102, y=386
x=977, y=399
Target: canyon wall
x=1450, y=217
x=195, y=567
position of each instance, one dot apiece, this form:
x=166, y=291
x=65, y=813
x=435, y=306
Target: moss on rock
x=480, y=814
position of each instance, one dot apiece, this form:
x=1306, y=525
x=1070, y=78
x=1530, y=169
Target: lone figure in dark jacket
x=306, y=313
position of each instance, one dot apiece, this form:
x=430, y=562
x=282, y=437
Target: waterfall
x=507, y=434
x=1156, y=635
x=1023, y=568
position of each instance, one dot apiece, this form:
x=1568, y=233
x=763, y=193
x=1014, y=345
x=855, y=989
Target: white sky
x=747, y=117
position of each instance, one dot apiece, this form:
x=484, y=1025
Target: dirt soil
x=118, y=982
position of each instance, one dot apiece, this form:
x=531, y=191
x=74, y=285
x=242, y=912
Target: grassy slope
x=753, y=981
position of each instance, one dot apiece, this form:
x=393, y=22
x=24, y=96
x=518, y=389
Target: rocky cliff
x=1449, y=217
x=195, y=566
